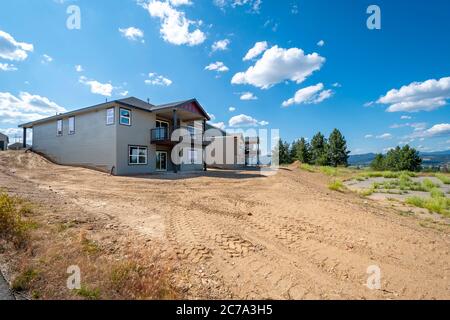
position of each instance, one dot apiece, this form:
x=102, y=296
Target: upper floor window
x=72, y=125
x=125, y=117
x=59, y=127
x=110, y=118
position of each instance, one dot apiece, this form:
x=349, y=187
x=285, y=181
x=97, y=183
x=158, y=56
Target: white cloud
x=231, y=109
x=212, y=117
x=26, y=107
x=248, y=96
x=157, y=80
x=336, y=85
x=437, y=130
x=7, y=67
x=124, y=93
x=418, y=126
x=309, y=95
x=217, y=66
x=132, y=33
x=277, y=65
x=321, y=43
x=10, y=49
x=175, y=27
x=405, y=117
x=177, y=3
x=257, y=49
x=243, y=120
x=104, y=89
x=368, y=136
x=79, y=68
x=254, y=5
x=220, y=125
x=46, y=59
x=384, y=136
x=418, y=96
x=220, y=45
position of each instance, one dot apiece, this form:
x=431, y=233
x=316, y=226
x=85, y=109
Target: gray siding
x=101, y=146
x=92, y=145
x=138, y=134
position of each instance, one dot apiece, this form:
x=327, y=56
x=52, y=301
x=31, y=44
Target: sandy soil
x=247, y=236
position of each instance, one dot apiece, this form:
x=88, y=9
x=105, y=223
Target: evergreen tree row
x=321, y=151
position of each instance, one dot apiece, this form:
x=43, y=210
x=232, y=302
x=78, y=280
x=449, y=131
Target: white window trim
x=139, y=148
x=120, y=117
x=193, y=156
x=72, y=132
x=58, y=134
x=167, y=161
x=113, y=116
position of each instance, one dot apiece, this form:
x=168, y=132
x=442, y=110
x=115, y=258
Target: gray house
x=124, y=137
x=4, y=141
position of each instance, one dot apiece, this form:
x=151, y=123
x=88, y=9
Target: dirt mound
x=24, y=159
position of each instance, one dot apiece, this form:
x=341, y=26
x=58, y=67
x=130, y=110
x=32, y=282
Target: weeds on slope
x=14, y=224
x=39, y=255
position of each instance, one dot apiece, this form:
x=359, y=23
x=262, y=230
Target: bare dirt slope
x=247, y=236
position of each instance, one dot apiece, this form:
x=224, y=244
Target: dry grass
x=14, y=222
x=39, y=258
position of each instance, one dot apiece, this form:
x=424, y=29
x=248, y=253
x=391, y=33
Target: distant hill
x=429, y=158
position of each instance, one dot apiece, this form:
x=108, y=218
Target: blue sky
x=315, y=64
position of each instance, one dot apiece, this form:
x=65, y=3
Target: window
x=137, y=155
x=125, y=117
x=110, y=118
x=59, y=128
x=72, y=125
x=192, y=130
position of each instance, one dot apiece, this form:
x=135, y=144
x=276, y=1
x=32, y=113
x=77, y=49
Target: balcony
x=160, y=136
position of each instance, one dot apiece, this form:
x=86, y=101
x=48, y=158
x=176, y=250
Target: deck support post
x=174, y=127
x=203, y=146
x=24, y=139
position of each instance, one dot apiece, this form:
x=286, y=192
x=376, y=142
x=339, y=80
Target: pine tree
x=398, y=159
x=319, y=150
x=378, y=163
x=303, y=151
x=283, y=152
x=293, y=151
x=337, y=149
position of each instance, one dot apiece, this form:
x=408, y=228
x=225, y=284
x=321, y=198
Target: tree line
x=321, y=151
x=398, y=159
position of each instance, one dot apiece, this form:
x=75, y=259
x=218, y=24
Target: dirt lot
x=242, y=235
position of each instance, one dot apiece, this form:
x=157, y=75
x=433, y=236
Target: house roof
x=4, y=136
x=129, y=102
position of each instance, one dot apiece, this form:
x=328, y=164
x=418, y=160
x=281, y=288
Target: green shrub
x=90, y=294
x=329, y=171
x=437, y=193
x=13, y=226
x=336, y=185
x=367, y=192
x=307, y=167
x=445, y=179
x=428, y=185
x=439, y=205
x=22, y=282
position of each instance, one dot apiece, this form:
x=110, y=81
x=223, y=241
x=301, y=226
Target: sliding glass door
x=161, y=161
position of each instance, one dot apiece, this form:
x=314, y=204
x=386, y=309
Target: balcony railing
x=160, y=135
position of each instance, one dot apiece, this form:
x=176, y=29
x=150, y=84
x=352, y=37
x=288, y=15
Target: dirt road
x=247, y=236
